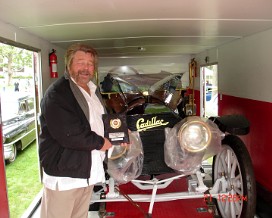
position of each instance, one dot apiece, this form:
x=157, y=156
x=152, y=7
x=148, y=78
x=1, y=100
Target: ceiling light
x=140, y=48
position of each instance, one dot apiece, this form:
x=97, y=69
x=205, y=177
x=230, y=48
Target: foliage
x=14, y=59
x=22, y=77
x=23, y=180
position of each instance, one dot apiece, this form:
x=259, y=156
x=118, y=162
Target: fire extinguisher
x=53, y=60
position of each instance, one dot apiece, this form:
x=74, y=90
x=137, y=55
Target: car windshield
x=128, y=80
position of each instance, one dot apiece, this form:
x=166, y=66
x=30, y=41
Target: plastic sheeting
x=130, y=164
x=184, y=161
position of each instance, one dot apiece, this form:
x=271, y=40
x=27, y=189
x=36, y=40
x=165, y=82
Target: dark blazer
x=66, y=139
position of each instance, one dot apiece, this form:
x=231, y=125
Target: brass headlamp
x=194, y=135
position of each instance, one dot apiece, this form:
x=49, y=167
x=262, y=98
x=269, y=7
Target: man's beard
x=80, y=76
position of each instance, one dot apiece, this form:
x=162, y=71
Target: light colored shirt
x=97, y=170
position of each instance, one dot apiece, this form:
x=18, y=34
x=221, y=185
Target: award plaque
x=115, y=126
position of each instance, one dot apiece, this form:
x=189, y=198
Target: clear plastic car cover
x=185, y=161
x=130, y=164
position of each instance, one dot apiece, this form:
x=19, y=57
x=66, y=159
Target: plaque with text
x=115, y=126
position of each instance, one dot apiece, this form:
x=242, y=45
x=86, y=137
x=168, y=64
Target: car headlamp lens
x=194, y=136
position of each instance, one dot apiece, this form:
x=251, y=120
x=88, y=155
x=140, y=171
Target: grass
x=23, y=180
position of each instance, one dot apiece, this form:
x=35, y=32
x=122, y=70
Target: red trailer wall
x=259, y=142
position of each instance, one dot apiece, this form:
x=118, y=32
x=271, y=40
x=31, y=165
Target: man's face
x=82, y=68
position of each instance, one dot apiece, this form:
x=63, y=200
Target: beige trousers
x=67, y=204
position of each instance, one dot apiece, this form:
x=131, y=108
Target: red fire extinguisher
x=53, y=60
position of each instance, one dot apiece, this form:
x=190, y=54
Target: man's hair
x=79, y=47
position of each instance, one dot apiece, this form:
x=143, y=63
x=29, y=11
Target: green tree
x=14, y=59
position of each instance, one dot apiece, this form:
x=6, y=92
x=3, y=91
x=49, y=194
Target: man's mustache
x=83, y=72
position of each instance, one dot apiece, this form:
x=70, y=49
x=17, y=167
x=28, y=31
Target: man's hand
x=124, y=144
x=107, y=145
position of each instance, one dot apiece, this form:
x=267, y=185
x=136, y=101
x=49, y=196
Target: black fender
x=234, y=124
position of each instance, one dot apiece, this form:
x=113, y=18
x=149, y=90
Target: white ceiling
x=117, y=28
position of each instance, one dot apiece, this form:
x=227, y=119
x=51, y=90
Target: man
x=72, y=144
x=16, y=86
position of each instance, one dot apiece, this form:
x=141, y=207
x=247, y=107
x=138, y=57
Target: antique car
x=18, y=123
x=167, y=144
x=126, y=90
